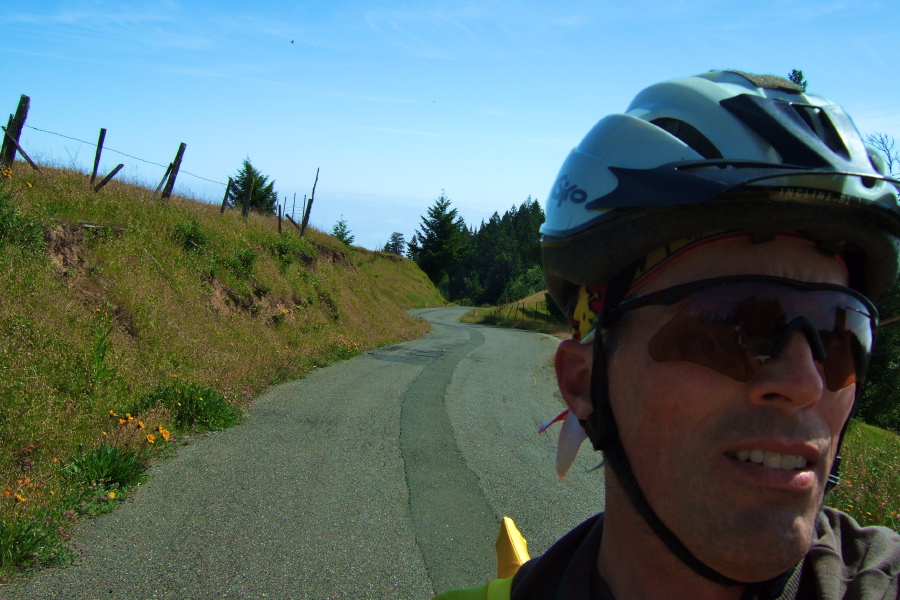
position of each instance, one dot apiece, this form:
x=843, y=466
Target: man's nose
x=793, y=377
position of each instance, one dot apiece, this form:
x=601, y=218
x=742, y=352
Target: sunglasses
x=735, y=324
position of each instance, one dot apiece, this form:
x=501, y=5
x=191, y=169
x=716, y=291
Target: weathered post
x=294, y=208
x=97, y=155
x=108, y=177
x=176, y=164
x=14, y=132
x=8, y=136
x=162, y=181
x=279, y=218
x=225, y=197
x=309, y=206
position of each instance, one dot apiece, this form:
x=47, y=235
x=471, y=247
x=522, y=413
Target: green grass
x=127, y=325
x=870, y=481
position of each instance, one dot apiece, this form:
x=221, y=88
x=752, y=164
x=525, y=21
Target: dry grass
x=186, y=293
x=529, y=313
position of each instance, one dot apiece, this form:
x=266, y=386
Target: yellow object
x=512, y=553
x=512, y=549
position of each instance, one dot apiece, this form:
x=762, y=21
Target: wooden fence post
x=288, y=217
x=176, y=164
x=15, y=144
x=162, y=181
x=309, y=206
x=225, y=197
x=279, y=218
x=294, y=208
x=14, y=132
x=108, y=177
x=97, y=155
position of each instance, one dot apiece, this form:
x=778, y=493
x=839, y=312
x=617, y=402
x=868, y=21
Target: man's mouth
x=773, y=460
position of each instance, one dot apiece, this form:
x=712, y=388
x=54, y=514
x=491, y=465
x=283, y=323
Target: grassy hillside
x=126, y=323
x=529, y=313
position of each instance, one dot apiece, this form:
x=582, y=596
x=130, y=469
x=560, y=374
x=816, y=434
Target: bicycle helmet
x=723, y=150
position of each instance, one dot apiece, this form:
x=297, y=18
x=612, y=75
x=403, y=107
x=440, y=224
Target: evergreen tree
x=342, y=232
x=396, y=244
x=442, y=242
x=505, y=253
x=251, y=186
x=796, y=76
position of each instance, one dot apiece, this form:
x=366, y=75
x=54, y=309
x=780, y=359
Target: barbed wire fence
x=108, y=149
x=11, y=135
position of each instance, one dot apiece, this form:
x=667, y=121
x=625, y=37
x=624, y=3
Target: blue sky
x=397, y=101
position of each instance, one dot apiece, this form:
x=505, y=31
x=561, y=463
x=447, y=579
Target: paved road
x=380, y=477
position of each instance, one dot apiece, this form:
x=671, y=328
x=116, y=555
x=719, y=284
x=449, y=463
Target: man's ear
x=573, y=364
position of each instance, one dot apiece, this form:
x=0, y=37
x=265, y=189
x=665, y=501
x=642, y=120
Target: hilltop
x=112, y=300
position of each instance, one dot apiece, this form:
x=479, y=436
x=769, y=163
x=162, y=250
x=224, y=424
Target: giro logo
x=563, y=191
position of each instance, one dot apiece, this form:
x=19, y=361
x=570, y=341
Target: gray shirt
x=844, y=561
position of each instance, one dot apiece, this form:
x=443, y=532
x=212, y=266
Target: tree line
x=496, y=262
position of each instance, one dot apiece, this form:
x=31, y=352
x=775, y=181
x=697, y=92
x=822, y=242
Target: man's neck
x=636, y=565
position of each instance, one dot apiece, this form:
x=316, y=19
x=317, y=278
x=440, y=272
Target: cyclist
x=718, y=248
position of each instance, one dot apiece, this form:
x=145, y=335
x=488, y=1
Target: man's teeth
x=773, y=460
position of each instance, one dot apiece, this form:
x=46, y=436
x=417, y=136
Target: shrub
x=19, y=229
x=190, y=235
x=240, y=262
x=193, y=407
x=33, y=541
x=113, y=467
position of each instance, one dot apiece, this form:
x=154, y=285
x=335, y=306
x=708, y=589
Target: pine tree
x=396, y=244
x=796, y=76
x=342, y=232
x=251, y=186
x=442, y=242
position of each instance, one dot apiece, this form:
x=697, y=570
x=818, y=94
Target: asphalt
x=384, y=476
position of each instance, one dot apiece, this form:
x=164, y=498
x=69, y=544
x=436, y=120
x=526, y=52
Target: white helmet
x=723, y=150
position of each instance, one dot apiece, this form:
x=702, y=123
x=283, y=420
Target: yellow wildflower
x=121, y=421
x=112, y=495
x=151, y=438
x=28, y=183
x=20, y=498
x=140, y=424
x=113, y=414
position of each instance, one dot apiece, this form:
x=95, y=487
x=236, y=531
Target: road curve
x=379, y=477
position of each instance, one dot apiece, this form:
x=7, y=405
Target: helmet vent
x=690, y=135
x=819, y=123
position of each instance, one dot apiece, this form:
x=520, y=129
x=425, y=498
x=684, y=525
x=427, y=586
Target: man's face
x=685, y=427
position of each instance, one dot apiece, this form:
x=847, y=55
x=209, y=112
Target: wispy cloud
x=378, y=99
x=409, y=132
x=159, y=25
x=469, y=30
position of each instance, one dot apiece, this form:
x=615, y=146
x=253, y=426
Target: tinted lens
x=734, y=327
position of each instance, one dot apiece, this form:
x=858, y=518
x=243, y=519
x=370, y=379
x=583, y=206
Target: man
x=718, y=248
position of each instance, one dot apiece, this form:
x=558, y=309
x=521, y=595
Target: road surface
x=379, y=477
